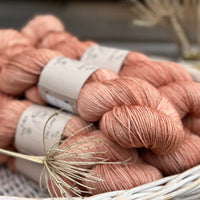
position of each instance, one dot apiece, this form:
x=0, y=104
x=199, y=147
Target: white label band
x=30, y=169
x=105, y=57
x=29, y=132
x=62, y=79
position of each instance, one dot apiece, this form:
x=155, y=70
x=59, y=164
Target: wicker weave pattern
x=13, y=184
x=183, y=186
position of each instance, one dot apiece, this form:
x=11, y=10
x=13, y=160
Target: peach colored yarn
x=12, y=38
x=70, y=46
x=192, y=123
x=113, y=152
x=39, y=26
x=96, y=142
x=122, y=177
x=185, y=157
x=133, y=107
x=73, y=125
x=26, y=68
x=157, y=73
x=132, y=113
x=125, y=94
x=185, y=96
x=11, y=43
x=172, y=80
x=33, y=95
x=10, y=112
x=175, y=83
x=135, y=64
x=66, y=43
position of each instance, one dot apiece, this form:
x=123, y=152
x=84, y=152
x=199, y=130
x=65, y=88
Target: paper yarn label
x=105, y=57
x=29, y=132
x=61, y=81
x=30, y=169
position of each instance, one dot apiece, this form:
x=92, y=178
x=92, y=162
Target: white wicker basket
x=182, y=186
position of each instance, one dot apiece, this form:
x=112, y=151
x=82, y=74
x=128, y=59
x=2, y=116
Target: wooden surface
x=97, y=20
x=102, y=21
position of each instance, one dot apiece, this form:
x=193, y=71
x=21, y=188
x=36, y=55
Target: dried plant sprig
x=181, y=18
x=66, y=163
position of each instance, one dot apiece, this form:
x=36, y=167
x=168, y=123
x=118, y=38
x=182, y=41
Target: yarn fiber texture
x=39, y=26
x=185, y=157
x=135, y=64
x=27, y=67
x=89, y=142
x=10, y=112
x=12, y=43
x=123, y=103
x=122, y=177
x=132, y=113
x=142, y=107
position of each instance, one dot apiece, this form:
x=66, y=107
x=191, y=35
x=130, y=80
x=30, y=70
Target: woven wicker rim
x=182, y=186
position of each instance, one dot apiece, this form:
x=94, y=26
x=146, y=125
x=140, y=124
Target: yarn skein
x=185, y=157
x=185, y=97
x=157, y=73
x=164, y=75
x=53, y=36
x=27, y=68
x=122, y=177
x=192, y=123
x=133, y=114
x=95, y=141
x=39, y=26
x=94, y=145
x=130, y=106
x=112, y=152
x=12, y=43
x=10, y=112
x=133, y=106
x=14, y=109
x=38, y=58
x=121, y=100
x=135, y=64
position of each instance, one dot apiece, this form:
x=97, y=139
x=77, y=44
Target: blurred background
x=109, y=22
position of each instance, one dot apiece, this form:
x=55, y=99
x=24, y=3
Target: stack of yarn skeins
x=146, y=111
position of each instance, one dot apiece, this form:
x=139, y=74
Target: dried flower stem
x=62, y=164
x=174, y=15
x=36, y=159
